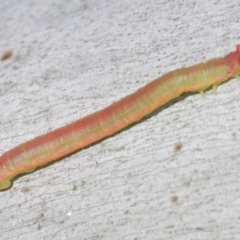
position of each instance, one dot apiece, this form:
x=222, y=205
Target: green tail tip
x=6, y=183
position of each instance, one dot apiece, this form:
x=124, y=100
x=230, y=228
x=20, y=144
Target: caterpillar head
x=233, y=61
x=238, y=54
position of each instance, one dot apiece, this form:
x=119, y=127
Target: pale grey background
x=72, y=58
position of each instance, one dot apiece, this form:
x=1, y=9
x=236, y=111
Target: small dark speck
x=6, y=55
x=178, y=146
x=198, y=149
x=83, y=183
x=74, y=188
x=187, y=184
x=39, y=227
x=176, y=118
x=174, y=199
x=234, y=136
x=25, y=190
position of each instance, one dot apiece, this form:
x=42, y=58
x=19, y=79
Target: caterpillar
x=60, y=142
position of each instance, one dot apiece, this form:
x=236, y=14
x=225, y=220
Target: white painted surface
x=71, y=58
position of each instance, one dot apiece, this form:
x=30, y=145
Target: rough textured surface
x=173, y=176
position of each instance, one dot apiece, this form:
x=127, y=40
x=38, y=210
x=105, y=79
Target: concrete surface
x=174, y=176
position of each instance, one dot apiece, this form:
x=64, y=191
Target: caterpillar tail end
x=5, y=184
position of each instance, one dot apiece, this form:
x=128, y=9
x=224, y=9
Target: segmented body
x=60, y=142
